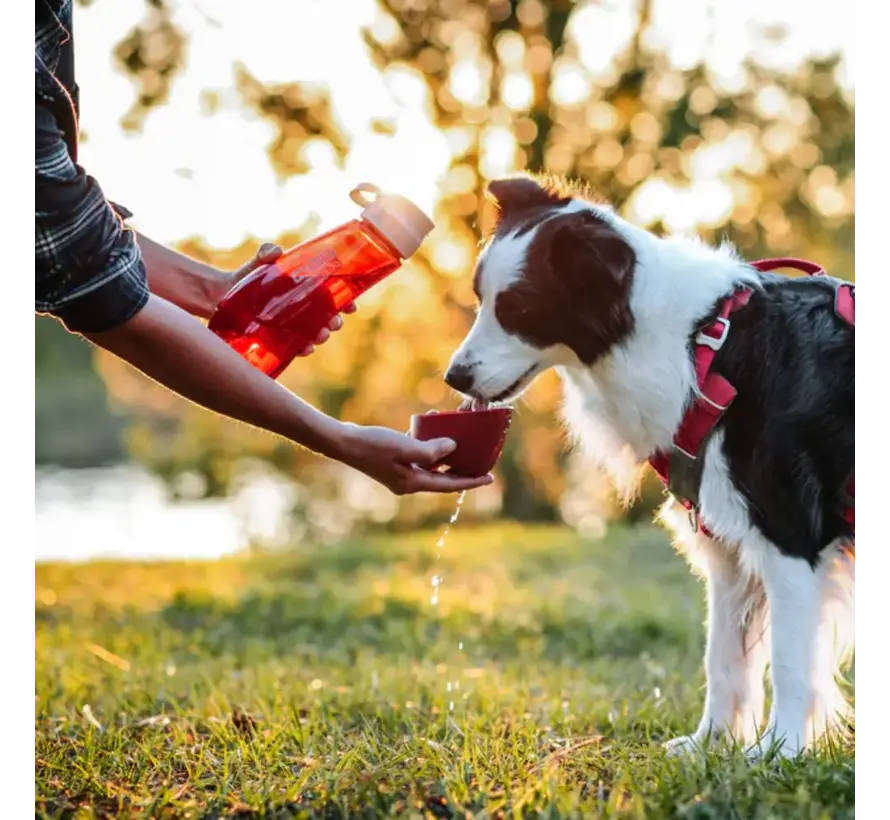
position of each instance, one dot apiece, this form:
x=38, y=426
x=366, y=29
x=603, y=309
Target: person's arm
x=186, y=282
x=90, y=274
x=177, y=351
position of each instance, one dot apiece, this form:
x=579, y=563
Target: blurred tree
x=153, y=53
x=72, y=422
x=760, y=156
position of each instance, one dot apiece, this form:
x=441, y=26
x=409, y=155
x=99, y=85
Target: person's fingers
x=323, y=335
x=350, y=308
x=423, y=481
x=335, y=324
x=268, y=252
x=426, y=453
x=400, y=484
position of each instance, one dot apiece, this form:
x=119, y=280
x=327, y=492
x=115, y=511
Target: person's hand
x=266, y=255
x=401, y=463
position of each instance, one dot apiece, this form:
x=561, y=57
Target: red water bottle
x=278, y=310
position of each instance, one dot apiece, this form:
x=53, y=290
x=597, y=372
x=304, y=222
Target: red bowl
x=479, y=435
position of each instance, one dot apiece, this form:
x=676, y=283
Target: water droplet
x=456, y=513
x=434, y=600
x=460, y=645
x=657, y=693
x=448, y=686
x=451, y=706
x=437, y=580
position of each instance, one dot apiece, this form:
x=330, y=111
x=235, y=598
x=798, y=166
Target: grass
x=320, y=683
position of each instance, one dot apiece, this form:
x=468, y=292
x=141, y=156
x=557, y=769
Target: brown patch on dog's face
x=553, y=284
x=575, y=285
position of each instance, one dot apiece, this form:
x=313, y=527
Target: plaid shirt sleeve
x=89, y=270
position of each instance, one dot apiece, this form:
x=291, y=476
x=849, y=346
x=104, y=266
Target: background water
x=125, y=512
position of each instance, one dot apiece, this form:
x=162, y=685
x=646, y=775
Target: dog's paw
x=684, y=746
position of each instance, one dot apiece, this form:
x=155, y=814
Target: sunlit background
x=224, y=124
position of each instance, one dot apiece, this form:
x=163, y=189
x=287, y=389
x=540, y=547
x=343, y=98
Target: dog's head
x=553, y=284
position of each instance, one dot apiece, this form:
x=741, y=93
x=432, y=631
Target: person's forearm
x=184, y=356
x=192, y=285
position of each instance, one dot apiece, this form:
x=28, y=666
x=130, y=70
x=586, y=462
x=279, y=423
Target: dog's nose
x=460, y=377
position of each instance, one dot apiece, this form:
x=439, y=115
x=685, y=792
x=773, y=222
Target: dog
x=564, y=282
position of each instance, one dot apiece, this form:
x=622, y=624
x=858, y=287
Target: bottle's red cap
x=398, y=219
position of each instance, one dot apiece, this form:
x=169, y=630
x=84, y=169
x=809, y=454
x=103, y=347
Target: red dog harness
x=680, y=468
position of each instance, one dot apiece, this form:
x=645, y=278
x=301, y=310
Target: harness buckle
x=684, y=474
x=714, y=342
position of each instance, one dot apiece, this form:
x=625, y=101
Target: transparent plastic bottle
x=278, y=310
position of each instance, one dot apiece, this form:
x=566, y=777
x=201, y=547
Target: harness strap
x=680, y=468
x=810, y=268
x=845, y=303
x=845, y=292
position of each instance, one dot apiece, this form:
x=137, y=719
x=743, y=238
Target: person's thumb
x=267, y=254
x=430, y=453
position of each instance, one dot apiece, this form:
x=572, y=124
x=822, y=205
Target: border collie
x=566, y=283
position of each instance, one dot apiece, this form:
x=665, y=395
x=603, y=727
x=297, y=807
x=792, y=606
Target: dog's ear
x=519, y=193
x=594, y=266
x=586, y=249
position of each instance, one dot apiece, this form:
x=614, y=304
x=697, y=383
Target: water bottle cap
x=398, y=219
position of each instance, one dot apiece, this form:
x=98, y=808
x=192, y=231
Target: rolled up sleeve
x=89, y=270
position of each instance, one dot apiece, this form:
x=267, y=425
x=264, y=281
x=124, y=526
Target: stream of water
x=436, y=582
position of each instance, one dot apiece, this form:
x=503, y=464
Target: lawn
x=324, y=683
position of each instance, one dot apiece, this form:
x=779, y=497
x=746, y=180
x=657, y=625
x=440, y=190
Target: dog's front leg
x=726, y=664
x=757, y=648
x=793, y=590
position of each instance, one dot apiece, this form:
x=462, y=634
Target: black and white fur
x=779, y=571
